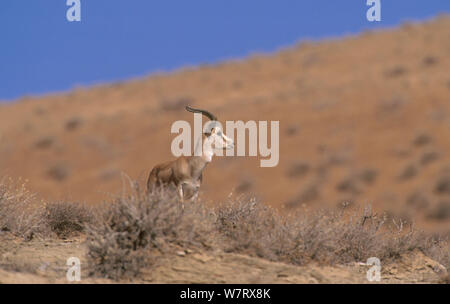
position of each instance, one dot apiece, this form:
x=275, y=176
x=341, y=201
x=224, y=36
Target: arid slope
x=363, y=119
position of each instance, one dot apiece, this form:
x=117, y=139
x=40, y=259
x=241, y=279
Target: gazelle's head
x=219, y=140
x=214, y=133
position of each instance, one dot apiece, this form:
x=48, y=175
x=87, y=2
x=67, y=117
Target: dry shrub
x=441, y=212
x=137, y=226
x=308, y=194
x=131, y=232
x=430, y=60
x=67, y=218
x=249, y=227
x=23, y=215
x=44, y=142
x=408, y=172
x=443, y=185
x=244, y=186
x=368, y=175
x=73, y=123
x=252, y=228
x=437, y=247
x=429, y=157
x=291, y=130
x=396, y=71
x=59, y=171
x=422, y=140
x=20, y=212
x=134, y=230
x=349, y=185
x=298, y=169
x=325, y=237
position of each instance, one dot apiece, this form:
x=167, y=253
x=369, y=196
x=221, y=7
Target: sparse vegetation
x=309, y=193
x=441, y=212
x=44, y=142
x=131, y=232
x=23, y=215
x=20, y=212
x=443, y=185
x=408, y=172
x=430, y=61
x=292, y=130
x=298, y=169
x=325, y=237
x=368, y=176
x=422, y=140
x=244, y=186
x=349, y=185
x=396, y=71
x=59, y=171
x=418, y=200
x=73, y=123
x=137, y=228
x=429, y=157
x=361, y=119
x=67, y=218
x=134, y=228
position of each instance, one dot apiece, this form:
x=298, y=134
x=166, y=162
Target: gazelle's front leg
x=195, y=187
x=193, y=199
x=180, y=194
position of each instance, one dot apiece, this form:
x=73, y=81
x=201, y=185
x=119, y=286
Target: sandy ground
x=44, y=261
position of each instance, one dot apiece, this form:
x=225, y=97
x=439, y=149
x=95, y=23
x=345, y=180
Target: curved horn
x=206, y=113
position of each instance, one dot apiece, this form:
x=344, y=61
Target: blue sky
x=41, y=52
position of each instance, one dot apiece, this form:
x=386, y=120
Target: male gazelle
x=185, y=172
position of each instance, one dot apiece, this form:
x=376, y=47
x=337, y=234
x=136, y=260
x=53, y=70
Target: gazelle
x=185, y=172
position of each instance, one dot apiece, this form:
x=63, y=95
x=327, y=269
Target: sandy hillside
x=363, y=119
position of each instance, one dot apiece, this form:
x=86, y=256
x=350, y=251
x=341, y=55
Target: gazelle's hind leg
x=152, y=181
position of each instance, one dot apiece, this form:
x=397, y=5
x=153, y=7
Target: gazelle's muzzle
x=229, y=144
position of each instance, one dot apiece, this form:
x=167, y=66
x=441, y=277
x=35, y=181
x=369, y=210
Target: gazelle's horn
x=206, y=113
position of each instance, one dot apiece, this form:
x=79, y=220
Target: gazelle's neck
x=203, y=149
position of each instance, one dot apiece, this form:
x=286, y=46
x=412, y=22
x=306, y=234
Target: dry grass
x=249, y=227
x=132, y=231
x=67, y=218
x=133, y=226
x=23, y=215
x=137, y=228
x=20, y=212
x=326, y=237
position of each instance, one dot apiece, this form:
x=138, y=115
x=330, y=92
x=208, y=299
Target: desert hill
x=363, y=119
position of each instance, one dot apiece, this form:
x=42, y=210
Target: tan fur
x=185, y=172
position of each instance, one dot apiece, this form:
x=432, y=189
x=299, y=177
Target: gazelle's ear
x=208, y=134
